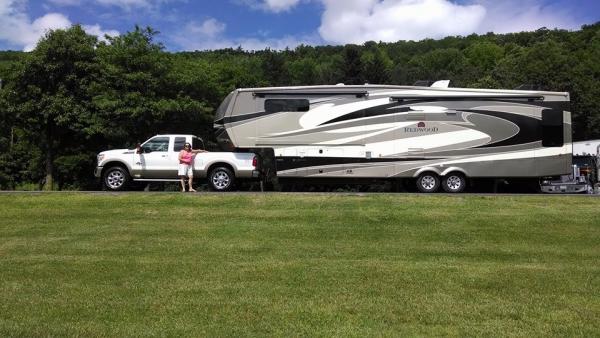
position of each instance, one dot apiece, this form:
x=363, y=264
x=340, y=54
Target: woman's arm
x=195, y=151
x=180, y=154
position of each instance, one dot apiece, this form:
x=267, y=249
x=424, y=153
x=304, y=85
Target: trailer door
x=551, y=160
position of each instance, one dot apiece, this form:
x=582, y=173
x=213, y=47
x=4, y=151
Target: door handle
x=139, y=163
x=165, y=155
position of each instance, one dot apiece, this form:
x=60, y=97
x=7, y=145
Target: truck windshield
x=223, y=107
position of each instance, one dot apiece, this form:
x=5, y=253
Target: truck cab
x=157, y=160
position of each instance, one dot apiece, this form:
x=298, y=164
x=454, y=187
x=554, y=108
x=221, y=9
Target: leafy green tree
x=273, y=67
x=376, y=66
x=139, y=95
x=50, y=96
x=484, y=55
x=330, y=70
x=302, y=71
x=352, y=65
x=439, y=64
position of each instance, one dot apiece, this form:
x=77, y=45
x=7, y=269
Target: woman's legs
x=183, y=183
x=190, y=179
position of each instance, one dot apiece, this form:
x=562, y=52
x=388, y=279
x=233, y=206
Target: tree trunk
x=49, y=185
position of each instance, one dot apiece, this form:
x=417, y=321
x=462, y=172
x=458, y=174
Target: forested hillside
x=74, y=95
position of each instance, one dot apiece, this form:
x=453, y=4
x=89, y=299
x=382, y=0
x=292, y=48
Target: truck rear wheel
x=428, y=182
x=115, y=178
x=221, y=179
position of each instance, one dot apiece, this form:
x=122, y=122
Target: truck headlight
x=100, y=158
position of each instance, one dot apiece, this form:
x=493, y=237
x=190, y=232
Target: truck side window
x=552, y=128
x=179, y=143
x=289, y=105
x=157, y=144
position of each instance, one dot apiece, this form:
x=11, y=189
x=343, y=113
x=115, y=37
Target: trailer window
x=288, y=105
x=179, y=143
x=220, y=113
x=197, y=143
x=552, y=128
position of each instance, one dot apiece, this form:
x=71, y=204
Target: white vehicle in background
x=156, y=160
x=585, y=171
x=583, y=148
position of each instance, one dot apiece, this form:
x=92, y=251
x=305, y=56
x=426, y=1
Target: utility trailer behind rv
x=436, y=137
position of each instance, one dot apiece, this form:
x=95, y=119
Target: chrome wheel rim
x=454, y=182
x=115, y=179
x=221, y=180
x=428, y=182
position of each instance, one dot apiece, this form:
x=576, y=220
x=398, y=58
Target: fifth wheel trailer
x=437, y=136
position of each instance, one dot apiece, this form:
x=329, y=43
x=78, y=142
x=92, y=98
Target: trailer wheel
x=454, y=183
x=221, y=179
x=115, y=178
x=428, y=182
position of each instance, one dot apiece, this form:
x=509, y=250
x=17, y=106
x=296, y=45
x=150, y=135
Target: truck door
x=157, y=161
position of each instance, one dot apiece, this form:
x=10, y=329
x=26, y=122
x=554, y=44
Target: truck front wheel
x=221, y=179
x=115, y=178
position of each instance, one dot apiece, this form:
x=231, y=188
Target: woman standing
x=186, y=167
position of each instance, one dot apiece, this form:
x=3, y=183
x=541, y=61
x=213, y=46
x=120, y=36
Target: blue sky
x=257, y=24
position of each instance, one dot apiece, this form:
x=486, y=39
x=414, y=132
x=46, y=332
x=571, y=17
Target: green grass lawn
x=298, y=265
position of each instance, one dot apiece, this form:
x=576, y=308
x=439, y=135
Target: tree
x=376, y=66
x=352, y=67
x=139, y=93
x=302, y=71
x=50, y=96
x=440, y=64
x=273, y=67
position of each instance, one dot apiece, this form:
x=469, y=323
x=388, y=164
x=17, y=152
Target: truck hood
x=117, y=152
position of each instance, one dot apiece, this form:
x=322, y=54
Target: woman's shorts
x=185, y=170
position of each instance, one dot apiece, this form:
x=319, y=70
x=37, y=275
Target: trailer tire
x=115, y=178
x=454, y=183
x=221, y=179
x=428, y=182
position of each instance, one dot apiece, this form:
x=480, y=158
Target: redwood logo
x=421, y=128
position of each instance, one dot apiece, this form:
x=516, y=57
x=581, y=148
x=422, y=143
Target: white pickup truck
x=157, y=160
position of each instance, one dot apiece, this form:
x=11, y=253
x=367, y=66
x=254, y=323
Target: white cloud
x=99, y=32
x=130, y=5
x=280, y=5
x=209, y=35
x=357, y=21
x=209, y=28
x=127, y=4
x=275, y=6
x=524, y=15
x=17, y=28
x=65, y=2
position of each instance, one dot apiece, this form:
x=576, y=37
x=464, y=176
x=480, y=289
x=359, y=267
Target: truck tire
x=221, y=179
x=454, y=183
x=428, y=182
x=115, y=178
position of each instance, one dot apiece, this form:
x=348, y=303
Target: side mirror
x=139, y=149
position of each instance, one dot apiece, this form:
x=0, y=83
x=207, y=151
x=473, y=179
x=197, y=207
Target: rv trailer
x=440, y=137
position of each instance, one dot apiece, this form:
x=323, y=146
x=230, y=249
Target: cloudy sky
x=257, y=24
